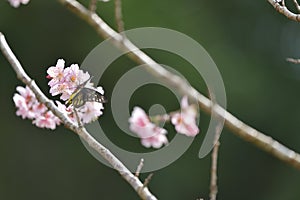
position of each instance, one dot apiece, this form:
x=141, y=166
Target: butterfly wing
x=91, y=95
x=77, y=100
x=86, y=95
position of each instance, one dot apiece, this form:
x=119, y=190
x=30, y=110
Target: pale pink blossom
x=90, y=111
x=39, y=108
x=185, y=121
x=74, y=76
x=100, y=90
x=46, y=120
x=56, y=73
x=61, y=88
x=150, y=134
x=22, y=108
x=66, y=110
x=16, y=3
x=67, y=80
x=24, y=102
x=157, y=140
x=29, y=107
x=63, y=81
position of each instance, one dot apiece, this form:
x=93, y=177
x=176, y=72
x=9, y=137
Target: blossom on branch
x=62, y=81
x=155, y=136
x=185, y=121
x=16, y=3
x=29, y=107
x=150, y=134
x=65, y=81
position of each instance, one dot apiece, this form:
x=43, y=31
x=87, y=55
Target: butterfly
x=83, y=94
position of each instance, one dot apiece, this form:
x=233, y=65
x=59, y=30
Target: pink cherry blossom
x=157, y=140
x=46, y=120
x=185, y=121
x=24, y=101
x=56, y=73
x=29, y=107
x=61, y=88
x=16, y=3
x=66, y=110
x=90, y=111
x=62, y=81
x=66, y=81
x=74, y=76
x=150, y=134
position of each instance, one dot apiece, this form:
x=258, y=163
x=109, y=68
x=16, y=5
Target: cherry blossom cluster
x=17, y=3
x=152, y=135
x=62, y=81
x=29, y=107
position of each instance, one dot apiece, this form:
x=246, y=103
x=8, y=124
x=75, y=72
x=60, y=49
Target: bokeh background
x=249, y=42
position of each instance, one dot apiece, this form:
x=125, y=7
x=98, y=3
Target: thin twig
x=118, y=16
x=139, y=168
x=213, y=177
x=238, y=127
x=81, y=131
x=293, y=60
x=147, y=180
x=214, y=165
x=93, y=5
x=281, y=8
x=214, y=157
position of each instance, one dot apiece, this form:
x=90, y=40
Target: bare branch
x=138, y=186
x=293, y=60
x=118, y=16
x=238, y=127
x=281, y=8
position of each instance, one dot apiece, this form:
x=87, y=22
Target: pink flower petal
x=150, y=134
x=185, y=122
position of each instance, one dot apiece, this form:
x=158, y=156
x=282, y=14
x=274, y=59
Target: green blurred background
x=249, y=42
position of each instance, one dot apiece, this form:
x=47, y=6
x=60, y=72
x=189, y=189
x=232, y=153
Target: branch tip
x=139, y=167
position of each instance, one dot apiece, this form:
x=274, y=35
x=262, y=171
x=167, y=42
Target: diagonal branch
x=238, y=127
x=138, y=186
